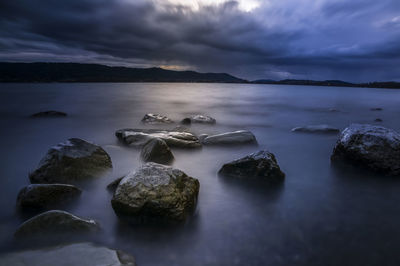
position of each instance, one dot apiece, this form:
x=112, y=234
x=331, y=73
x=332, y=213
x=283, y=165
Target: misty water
x=321, y=215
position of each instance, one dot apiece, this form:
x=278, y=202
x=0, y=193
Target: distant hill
x=75, y=72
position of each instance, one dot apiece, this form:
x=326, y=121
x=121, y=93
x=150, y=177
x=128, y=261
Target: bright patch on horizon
x=245, y=5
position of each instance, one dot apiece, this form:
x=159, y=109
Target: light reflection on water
x=320, y=216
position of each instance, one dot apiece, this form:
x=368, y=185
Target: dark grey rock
x=378, y=120
x=70, y=162
x=55, y=222
x=261, y=165
x=373, y=147
x=231, y=138
x=46, y=195
x=156, y=150
x=376, y=109
x=49, y=114
x=317, y=129
x=155, y=193
x=156, y=119
x=201, y=119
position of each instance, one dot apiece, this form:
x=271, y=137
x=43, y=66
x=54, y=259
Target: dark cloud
x=350, y=40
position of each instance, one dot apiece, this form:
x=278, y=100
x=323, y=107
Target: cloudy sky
x=352, y=40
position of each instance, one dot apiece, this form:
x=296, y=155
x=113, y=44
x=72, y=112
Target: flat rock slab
x=173, y=138
x=79, y=254
x=322, y=129
x=373, y=147
x=46, y=195
x=261, y=165
x=156, y=119
x=49, y=114
x=200, y=119
x=231, y=138
x=71, y=161
x=155, y=193
x=156, y=150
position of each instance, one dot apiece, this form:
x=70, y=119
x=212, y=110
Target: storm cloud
x=349, y=40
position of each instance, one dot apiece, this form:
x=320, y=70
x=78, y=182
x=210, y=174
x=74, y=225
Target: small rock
x=201, y=119
x=54, y=222
x=70, y=162
x=156, y=193
x=156, y=119
x=46, y=195
x=49, y=114
x=316, y=129
x=231, y=138
x=261, y=164
x=156, y=150
x=378, y=120
x=376, y=109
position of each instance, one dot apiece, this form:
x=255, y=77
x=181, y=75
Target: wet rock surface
x=372, y=147
x=49, y=114
x=261, y=165
x=231, y=138
x=200, y=119
x=322, y=129
x=155, y=119
x=155, y=193
x=71, y=161
x=156, y=150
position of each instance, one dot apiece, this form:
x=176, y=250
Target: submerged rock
x=378, y=120
x=55, y=222
x=231, y=138
x=201, y=119
x=261, y=164
x=373, y=147
x=156, y=150
x=173, y=138
x=156, y=119
x=49, y=114
x=156, y=193
x=316, y=129
x=70, y=162
x=79, y=254
x=46, y=195
x=376, y=109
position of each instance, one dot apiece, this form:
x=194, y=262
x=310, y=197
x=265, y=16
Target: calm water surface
x=320, y=216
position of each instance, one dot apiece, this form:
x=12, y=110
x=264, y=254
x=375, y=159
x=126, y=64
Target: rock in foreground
x=317, y=129
x=373, y=147
x=261, y=165
x=156, y=193
x=200, y=119
x=156, y=150
x=156, y=119
x=46, y=195
x=231, y=138
x=49, y=114
x=70, y=162
x=173, y=138
x=79, y=254
x=55, y=222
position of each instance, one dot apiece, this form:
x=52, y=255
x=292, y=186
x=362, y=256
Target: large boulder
x=78, y=254
x=231, y=138
x=55, y=222
x=326, y=129
x=70, y=162
x=46, y=195
x=201, y=119
x=373, y=147
x=156, y=193
x=156, y=119
x=261, y=165
x=49, y=114
x=173, y=138
x=156, y=150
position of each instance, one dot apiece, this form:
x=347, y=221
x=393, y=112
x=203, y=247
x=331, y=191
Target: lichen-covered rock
x=156, y=150
x=261, y=165
x=78, y=254
x=156, y=119
x=49, y=114
x=373, y=147
x=70, y=162
x=231, y=138
x=326, y=129
x=46, y=195
x=156, y=193
x=173, y=138
x=55, y=222
x=201, y=119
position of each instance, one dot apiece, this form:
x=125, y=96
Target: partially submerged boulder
x=156, y=119
x=156, y=150
x=173, y=138
x=56, y=222
x=156, y=193
x=200, y=119
x=231, y=138
x=261, y=165
x=79, y=254
x=71, y=161
x=46, y=195
x=326, y=129
x=49, y=114
x=373, y=147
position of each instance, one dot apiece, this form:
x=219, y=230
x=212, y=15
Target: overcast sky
x=352, y=40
